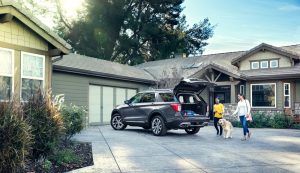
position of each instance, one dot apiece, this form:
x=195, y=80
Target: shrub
x=260, y=120
x=15, y=137
x=46, y=122
x=65, y=156
x=281, y=121
x=296, y=126
x=74, y=120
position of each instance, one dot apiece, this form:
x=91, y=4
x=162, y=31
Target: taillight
x=176, y=107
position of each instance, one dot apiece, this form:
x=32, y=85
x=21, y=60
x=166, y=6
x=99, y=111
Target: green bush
x=281, y=121
x=296, y=126
x=15, y=137
x=65, y=156
x=47, y=125
x=74, y=120
x=260, y=120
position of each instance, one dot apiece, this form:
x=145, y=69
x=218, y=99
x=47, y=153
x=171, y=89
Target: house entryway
x=102, y=100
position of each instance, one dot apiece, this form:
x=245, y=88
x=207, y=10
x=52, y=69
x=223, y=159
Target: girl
x=218, y=114
x=243, y=110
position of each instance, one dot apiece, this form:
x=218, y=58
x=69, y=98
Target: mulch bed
x=82, y=150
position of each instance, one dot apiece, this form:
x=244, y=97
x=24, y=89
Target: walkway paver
x=137, y=150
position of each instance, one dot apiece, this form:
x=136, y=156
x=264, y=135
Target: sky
x=243, y=24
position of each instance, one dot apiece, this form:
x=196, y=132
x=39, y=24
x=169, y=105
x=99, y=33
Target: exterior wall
x=205, y=95
x=16, y=33
x=76, y=87
x=283, y=61
x=297, y=91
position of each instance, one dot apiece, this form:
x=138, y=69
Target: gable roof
x=80, y=64
x=268, y=47
x=13, y=8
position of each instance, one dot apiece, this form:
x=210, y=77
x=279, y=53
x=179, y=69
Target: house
x=97, y=84
x=26, y=50
x=268, y=76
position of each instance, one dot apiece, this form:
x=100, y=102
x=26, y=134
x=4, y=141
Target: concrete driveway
x=137, y=150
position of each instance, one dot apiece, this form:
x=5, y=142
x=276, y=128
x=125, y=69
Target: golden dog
x=227, y=128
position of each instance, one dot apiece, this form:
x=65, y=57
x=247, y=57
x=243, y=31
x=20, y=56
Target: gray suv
x=164, y=109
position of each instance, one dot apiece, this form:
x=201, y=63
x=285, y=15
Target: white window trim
x=264, y=62
x=263, y=84
x=274, y=66
x=34, y=78
x=287, y=95
x=12, y=72
x=242, y=89
x=257, y=64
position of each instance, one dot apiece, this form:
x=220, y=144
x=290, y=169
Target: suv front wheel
x=116, y=122
x=192, y=130
x=158, y=126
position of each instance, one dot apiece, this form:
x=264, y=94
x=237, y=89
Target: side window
x=136, y=98
x=148, y=97
x=167, y=97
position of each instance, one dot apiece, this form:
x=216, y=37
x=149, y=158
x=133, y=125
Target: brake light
x=176, y=107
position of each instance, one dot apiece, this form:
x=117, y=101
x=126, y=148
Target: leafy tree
x=135, y=31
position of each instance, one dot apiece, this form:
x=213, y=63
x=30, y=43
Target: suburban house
x=26, y=50
x=269, y=76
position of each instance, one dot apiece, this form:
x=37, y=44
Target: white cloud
x=289, y=8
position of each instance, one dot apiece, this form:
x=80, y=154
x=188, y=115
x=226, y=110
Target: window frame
x=257, y=64
x=32, y=78
x=270, y=62
x=289, y=95
x=263, y=61
x=242, y=91
x=274, y=96
x=12, y=72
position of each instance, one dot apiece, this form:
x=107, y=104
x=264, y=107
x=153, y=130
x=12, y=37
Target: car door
x=130, y=112
x=145, y=106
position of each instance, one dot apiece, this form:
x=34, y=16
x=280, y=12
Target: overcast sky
x=243, y=24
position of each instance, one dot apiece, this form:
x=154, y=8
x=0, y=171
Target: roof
x=264, y=46
x=80, y=64
x=191, y=66
x=54, y=39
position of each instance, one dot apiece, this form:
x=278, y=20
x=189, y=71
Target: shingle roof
x=191, y=65
x=36, y=21
x=97, y=67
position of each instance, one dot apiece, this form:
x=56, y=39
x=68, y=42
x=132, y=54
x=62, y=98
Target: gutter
x=100, y=74
x=272, y=77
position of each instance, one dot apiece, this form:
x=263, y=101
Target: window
x=273, y=63
x=263, y=95
x=167, y=97
x=287, y=95
x=242, y=89
x=148, y=97
x=255, y=65
x=136, y=98
x=6, y=74
x=32, y=74
x=264, y=64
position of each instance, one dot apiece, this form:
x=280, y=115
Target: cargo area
x=191, y=105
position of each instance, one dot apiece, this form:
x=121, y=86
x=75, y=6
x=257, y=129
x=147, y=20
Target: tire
x=158, y=126
x=116, y=122
x=192, y=131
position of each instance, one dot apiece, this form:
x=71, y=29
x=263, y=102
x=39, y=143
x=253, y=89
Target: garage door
x=102, y=100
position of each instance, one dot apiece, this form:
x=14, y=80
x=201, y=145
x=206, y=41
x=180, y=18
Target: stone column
x=232, y=93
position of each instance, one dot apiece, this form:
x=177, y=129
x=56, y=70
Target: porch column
x=232, y=93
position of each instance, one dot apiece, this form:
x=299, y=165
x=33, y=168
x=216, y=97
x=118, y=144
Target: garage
x=102, y=100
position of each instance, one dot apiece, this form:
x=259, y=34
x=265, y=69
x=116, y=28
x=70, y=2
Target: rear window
x=167, y=97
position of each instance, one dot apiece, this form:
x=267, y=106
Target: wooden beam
x=227, y=83
x=209, y=80
x=54, y=52
x=213, y=76
x=6, y=18
x=217, y=77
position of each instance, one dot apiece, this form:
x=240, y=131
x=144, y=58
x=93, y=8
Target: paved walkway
x=137, y=150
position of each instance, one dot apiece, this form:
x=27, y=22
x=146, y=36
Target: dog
x=227, y=128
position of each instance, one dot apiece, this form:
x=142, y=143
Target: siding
x=297, y=94
x=205, y=95
x=283, y=61
x=75, y=87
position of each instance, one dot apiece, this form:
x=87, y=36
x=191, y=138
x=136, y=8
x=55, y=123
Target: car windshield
x=167, y=97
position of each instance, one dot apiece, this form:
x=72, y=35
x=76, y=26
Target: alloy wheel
x=117, y=122
x=156, y=126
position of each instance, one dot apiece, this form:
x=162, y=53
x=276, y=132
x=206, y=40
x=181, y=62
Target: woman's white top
x=243, y=108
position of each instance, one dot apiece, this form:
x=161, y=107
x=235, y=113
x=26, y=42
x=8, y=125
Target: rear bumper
x=188, y=122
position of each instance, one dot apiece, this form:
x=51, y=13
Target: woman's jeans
x=244, y=124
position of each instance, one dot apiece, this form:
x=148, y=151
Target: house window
x=255, y=65
x=274, y=64
x=242, y=89
x=6, y=74
x=264, y=64
x=287, y=95
x=32, y=74
x=263, y=95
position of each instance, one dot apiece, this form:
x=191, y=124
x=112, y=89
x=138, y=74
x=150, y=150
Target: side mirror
x=127, y=102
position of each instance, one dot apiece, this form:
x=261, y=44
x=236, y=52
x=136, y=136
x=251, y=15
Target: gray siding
x=75, y=87
x=297, y=94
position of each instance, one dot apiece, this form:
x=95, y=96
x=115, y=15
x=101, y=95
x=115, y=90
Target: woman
x=218, y=114
x=243, y=110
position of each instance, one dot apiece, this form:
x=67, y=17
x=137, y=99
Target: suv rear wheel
x=192, y=130
x=158, y=126
x=116, y=122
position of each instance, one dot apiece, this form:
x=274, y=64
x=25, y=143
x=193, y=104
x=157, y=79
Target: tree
x=135, y=31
